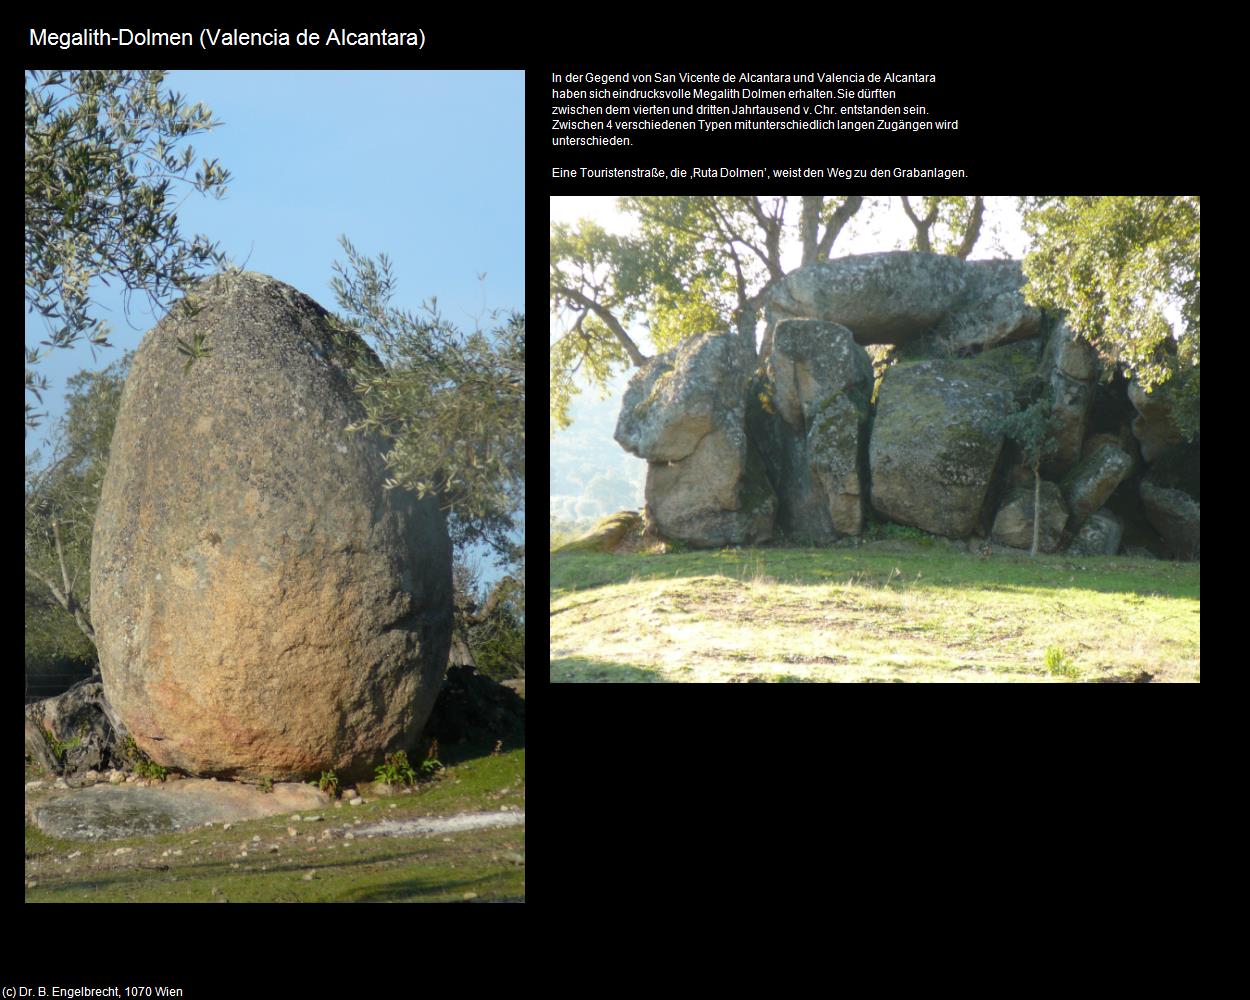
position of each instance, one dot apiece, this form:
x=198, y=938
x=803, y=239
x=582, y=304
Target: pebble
x=178, y=853
x=292, y=832
x=349, y=793
x=313, y=819
x=173, y=776
x=356, y=801
x=308, y=876
x=116, y=777
x=124, y=850
x=516, y=859
x=60, y=783
x=76, y=853
x=243, y=854
x=215, y=891
x=32, y=884
x=227, y=826
x=357, y=822
x=131, y=779
x=273, y=848
x=295, y=816
x=256, y=839
x=349, y=835
x=91, y=777
x=393, y=805
x=32, y=785
x=470, y=895
x=209, y=823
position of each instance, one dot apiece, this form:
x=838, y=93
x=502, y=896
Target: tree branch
x=974, y=229
x=611, y=322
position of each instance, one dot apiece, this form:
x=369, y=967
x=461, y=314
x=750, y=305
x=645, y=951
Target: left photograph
x=274, y=486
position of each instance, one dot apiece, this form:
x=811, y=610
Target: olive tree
x=450, y=404
x=102, y=182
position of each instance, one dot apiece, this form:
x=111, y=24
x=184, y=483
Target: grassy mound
x=886, y=611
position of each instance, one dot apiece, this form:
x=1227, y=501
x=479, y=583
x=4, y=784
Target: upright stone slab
x=821, y=382
x=263, y=606
x=684, y=412
x=935, y=442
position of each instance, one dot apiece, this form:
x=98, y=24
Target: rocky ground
x=459, y=837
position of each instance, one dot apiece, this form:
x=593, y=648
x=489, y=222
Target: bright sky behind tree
x=424, y=166
x=427, y=167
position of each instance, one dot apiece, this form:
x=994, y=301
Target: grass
x=894, y=610
x=482, y=865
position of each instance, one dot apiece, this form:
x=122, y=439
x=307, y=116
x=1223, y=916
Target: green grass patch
x=895, y=609
x=478, y=865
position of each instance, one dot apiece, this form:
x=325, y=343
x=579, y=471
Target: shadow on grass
x=582, y=671
x=376, y=877
x=882, y=565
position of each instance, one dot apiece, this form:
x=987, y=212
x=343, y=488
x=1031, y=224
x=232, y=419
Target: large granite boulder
x=681, y=396
x=898, y=296
x=1155, y=427
x=1071, y=366
x=685, y=413
x=935, y=442
x=1092, y=481
x=1013, y=524
x=1177, y=517
x=264, y=607
x=1100, y=535
x=810, y=418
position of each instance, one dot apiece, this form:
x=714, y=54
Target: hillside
x=592, y=475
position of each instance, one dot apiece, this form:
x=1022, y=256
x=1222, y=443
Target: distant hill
x=592, y=475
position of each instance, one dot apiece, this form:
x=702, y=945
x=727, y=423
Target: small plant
x=150, y=769
x=498, y=748
x=1058, y=663
x=432, y=763
x=328, y=782
x=57, y=747
x=395, y=770
x=266, y=784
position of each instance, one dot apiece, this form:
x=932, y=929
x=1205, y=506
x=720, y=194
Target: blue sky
x=425, y=166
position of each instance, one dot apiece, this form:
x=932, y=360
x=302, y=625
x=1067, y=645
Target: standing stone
x=1072, y=366
x=1177, y=517
x=264, y=607
x=1013, y=525
x=935, y=444
x=1088, y=486
x=684, y=412
x=818, y=386
x=1154, y=426
x=1099, y=536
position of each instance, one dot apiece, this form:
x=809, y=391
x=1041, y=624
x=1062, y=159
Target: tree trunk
x=1037, y=508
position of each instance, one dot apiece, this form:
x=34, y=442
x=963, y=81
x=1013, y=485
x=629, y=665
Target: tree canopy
x=1127, y=271
x=698, y=263
x=451, y=404
x=61, y=499
x=101, y=165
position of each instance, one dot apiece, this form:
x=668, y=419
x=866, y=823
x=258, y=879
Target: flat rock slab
x=111, y=812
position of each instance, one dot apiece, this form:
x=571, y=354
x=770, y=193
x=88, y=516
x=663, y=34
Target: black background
x=647, y=802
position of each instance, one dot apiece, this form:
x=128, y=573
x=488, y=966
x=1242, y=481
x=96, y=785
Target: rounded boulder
x=264, y=607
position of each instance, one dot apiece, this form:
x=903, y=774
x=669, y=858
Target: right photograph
x=928, y=438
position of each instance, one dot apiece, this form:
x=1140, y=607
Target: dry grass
x=897, y=615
